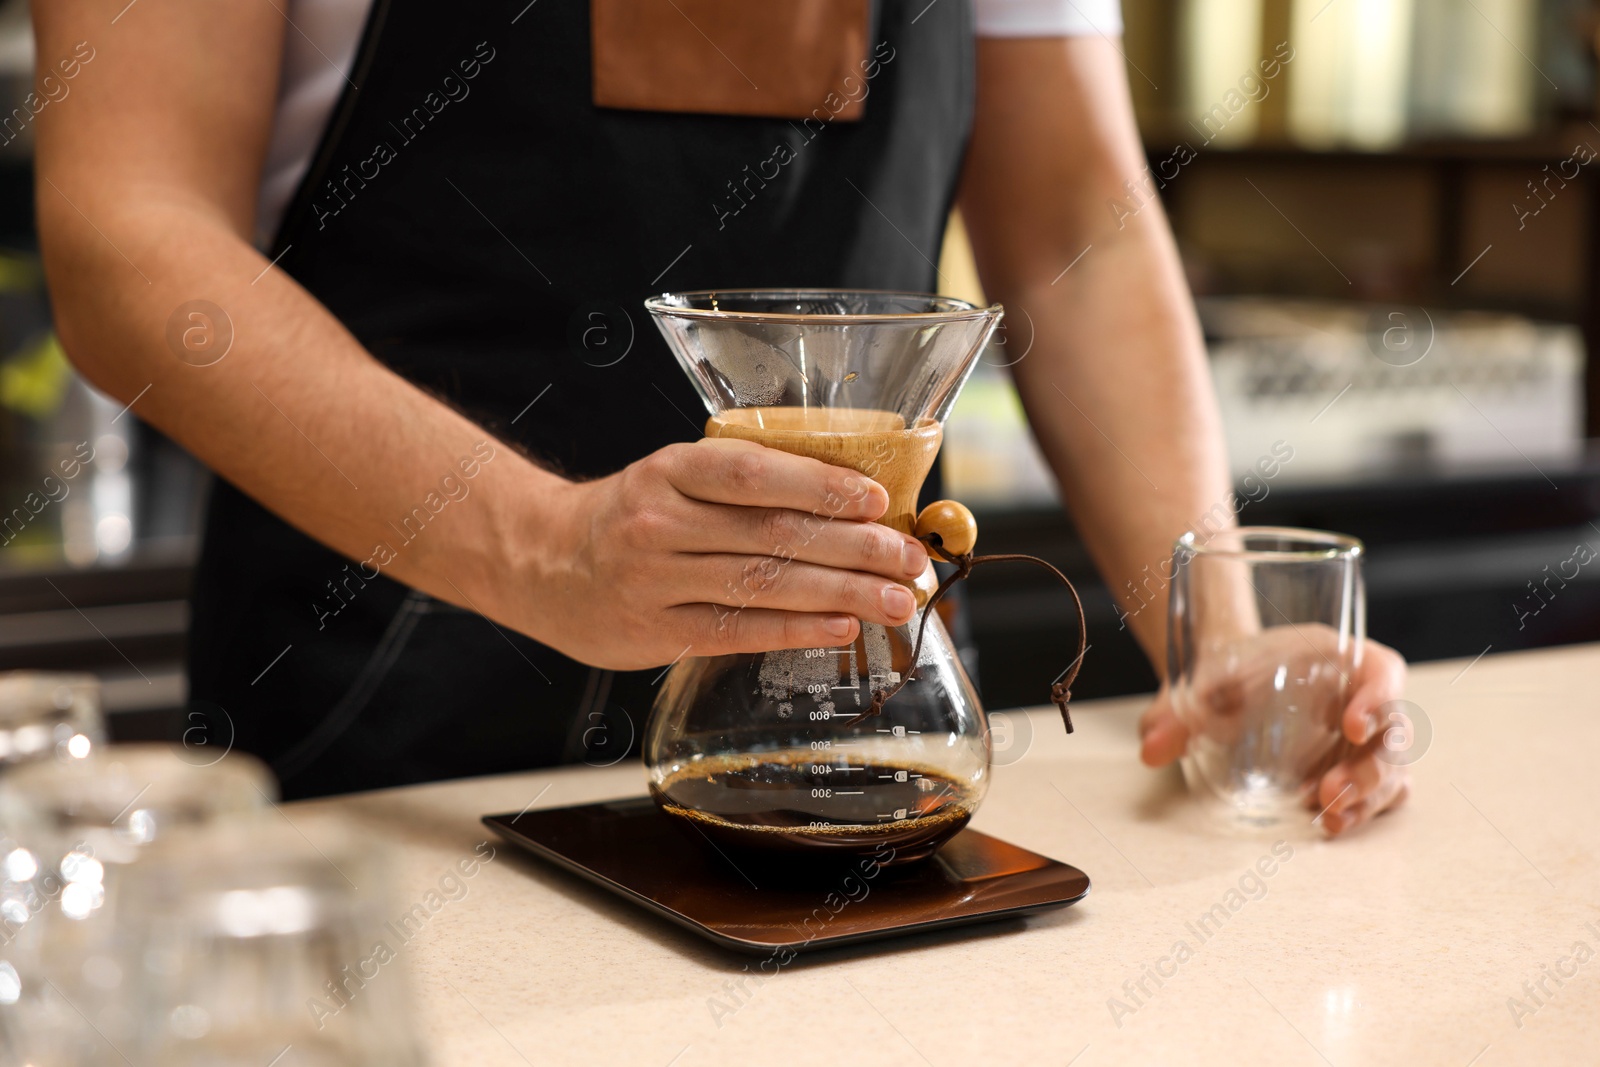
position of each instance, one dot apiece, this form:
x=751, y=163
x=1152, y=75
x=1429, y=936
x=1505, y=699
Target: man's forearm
x=296, y=414
x=1117, y=392
x=1115, y=381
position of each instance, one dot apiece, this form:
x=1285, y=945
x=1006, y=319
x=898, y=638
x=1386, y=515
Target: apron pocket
x=783, y=59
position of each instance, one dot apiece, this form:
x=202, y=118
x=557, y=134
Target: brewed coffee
x=775, y=801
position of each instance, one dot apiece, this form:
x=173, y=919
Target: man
x=410, y=419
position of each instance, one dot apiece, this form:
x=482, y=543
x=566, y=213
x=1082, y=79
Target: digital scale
x=742, y=903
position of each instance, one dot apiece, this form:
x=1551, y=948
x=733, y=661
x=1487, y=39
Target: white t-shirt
x=320, y=48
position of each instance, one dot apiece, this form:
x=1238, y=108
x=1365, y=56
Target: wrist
x=528, y=539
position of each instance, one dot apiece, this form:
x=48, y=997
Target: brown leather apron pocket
x=771, y=58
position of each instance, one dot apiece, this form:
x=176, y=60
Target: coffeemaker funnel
x=788, y=751
x=823, y=361
x=906, y=353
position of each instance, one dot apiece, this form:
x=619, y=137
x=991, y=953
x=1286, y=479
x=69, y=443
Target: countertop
x=1408, y=942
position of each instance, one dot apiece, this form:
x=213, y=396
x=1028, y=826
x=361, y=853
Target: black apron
x=491, y=238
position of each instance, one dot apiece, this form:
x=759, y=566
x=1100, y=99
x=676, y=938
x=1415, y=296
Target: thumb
x=1162, y=738
x=1382, y=678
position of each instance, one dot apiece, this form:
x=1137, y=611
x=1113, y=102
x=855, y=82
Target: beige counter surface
x=1445, y=933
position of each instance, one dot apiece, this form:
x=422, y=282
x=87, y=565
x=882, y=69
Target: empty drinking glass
x=44, y=715
x=246, y=950
x=70, y=829
x=1266, y=632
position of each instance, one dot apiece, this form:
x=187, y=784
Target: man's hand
x=1357, y=786
x=716, y=547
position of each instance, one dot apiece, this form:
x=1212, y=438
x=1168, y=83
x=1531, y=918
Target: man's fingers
x=773, y=584
x=1359, y=786
x=1390, y=793
x=728, y=471
x=1382, y=678
x=1351, y=781
x=1162, y=738
x=783, y=534
x=715, y=631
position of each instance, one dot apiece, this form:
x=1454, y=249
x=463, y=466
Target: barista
x=380, y=269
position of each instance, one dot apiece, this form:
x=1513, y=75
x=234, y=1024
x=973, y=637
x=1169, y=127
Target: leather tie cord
x=1060, y=691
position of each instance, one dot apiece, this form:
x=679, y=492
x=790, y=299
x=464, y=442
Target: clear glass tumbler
x=249, y=949
x=45, y=715
x=1265, y=634
x=70, y=830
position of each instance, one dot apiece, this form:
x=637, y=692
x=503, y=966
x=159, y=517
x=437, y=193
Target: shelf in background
x=1549, y=147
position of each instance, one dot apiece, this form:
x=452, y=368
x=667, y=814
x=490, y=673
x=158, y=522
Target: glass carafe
x=785, y=751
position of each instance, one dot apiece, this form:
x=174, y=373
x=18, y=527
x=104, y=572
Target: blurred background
x=1387, y=210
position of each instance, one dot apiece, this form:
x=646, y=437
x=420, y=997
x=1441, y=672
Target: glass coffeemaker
x=860, y=749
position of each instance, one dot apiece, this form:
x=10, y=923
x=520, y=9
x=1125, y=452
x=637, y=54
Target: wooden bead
x=957, y=529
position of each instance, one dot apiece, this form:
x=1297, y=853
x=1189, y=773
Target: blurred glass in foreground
x=71, y=830
x=246, y=950
x=49, y=716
